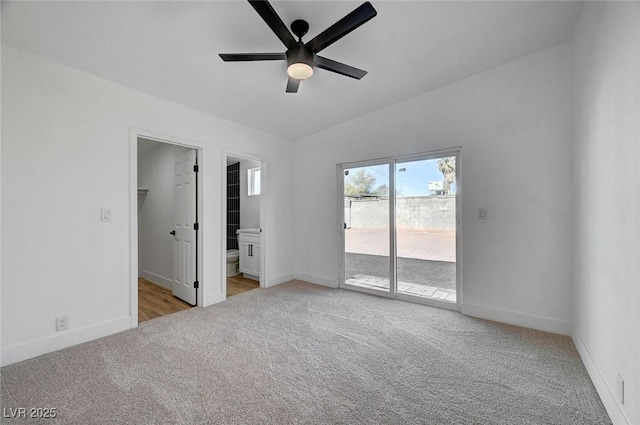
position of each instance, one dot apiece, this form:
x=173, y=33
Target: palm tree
x=447, y=167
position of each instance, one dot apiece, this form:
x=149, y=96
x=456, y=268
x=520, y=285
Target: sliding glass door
x=400, y=227
x=426, y=228
x=366, y=227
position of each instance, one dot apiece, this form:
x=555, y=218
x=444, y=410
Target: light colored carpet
x=304, y=354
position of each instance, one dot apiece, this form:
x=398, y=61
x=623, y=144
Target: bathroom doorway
x=243, y=246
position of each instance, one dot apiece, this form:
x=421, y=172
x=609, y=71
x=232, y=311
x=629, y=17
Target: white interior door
x=184, y=218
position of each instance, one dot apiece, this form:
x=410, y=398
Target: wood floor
x=238, y=284
x=156, y=301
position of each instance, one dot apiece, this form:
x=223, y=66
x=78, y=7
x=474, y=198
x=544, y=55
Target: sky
x=415, y=178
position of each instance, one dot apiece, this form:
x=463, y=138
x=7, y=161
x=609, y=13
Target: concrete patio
x=426, y=264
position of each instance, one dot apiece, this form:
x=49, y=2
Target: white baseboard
x=279, y=279
x=318, y=280
x=540, y=323
x=607, y=396
x=157, y=279
x=59, y=340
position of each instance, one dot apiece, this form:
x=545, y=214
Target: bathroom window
x=253, y=180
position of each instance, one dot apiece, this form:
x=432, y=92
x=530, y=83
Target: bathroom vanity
x=249, y=246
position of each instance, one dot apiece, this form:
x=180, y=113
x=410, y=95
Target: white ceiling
x=170, y=50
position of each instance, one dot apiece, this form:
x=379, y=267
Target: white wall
x=607, y=201
x=249, y=205
x=72, y=130
x=514, y=126
x=156, y=172
x=0, y=189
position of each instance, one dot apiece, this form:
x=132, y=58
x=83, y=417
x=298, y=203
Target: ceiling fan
x=302, y=57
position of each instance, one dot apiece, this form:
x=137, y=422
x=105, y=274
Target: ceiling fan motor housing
x=300, y=54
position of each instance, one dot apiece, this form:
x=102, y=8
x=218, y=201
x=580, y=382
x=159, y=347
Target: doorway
x=243, y=246
x=167, y=228
x=401, y=229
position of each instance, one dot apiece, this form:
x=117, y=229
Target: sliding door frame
x=341, y=227
x=392, y=162
x=455, y=152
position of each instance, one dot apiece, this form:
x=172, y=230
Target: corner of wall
x=539, y=323
x=609, y=401
x=318, y=280
x=279, y=279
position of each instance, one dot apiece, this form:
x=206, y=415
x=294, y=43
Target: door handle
x=173, y=232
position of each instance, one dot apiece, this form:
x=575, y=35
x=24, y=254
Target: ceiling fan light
x=300, y=71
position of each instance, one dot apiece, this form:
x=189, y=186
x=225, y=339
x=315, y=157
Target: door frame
x=134, y=134
x=341, y=208
x=392, y=161
x=264, y=196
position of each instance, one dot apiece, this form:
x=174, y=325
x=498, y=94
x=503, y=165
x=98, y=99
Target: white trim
x=133, y=229
x=318, y=280
x=280, y=279
x=393, y=231
x=264, y=228
x=341, y=224
x=134, y=134
x=611, y=405
x=157, y=279
x=459, y=238
x=546, y=324
x=37, y=347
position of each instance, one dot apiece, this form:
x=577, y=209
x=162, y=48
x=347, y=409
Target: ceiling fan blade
x=339, y=68
x=292, y=85
x=343, y=27
x=237, y=57
x=269, y=15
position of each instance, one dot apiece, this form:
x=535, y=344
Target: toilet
x=233, y=255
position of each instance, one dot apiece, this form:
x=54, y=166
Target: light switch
x=482, y=213
x=105, y=215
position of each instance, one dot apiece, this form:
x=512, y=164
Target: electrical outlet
x=620, y=389
x=105, y=215
x=62, y=323
x=482, y=213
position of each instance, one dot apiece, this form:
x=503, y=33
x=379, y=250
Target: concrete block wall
x=412, y=212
